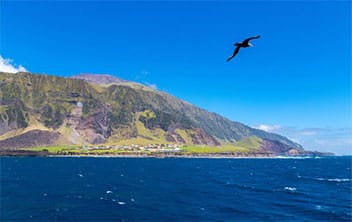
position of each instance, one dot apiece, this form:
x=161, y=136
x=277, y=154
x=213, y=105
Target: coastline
x=22, y=153
x=185, y=157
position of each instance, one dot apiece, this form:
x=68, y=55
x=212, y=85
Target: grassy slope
x=54, y=149
x=248, y=144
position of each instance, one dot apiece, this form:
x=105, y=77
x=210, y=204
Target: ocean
x=175, y=189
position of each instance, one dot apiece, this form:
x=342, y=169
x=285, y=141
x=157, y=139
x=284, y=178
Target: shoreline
x=183, y=157
x=162, y=156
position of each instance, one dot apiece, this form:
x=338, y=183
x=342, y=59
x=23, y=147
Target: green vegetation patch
x=185, y=134
x=141, y=141
x=209, y=149
x=251, y=142
x=147, y=114
x=54, y=149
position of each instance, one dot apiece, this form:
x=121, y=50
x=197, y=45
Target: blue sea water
x=175, y=189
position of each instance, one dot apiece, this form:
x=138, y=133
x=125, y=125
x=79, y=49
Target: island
x=102, y=115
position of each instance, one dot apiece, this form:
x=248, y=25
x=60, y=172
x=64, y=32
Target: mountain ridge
x=98, y=78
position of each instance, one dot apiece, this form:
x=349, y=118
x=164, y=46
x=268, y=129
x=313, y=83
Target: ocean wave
x=318, y=207
x=340, y=180
x=248, y=187
x=294, y=157
x=326, y=179
x=290, y=188
x=333, y=179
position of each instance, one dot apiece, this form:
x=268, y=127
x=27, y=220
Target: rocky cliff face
x=279, y=148
x=13, y=116
x=96, y=127
x=92, y=109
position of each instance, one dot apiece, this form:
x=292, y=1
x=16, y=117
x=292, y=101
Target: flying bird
x=243, y=44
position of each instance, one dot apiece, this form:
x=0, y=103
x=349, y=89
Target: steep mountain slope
x=99, y=78
x=93, y=109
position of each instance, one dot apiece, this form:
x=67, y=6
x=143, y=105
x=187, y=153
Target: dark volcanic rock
x=97, y=127
x=30, y=139
x=102, y=122
x=6, y=126
x=7, y=152
x=278, y=148
x=200, y=137
x=173, y=136
x=13, y=117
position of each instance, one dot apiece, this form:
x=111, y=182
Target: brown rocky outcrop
x=276, y=147
x=32, y=138
x=200, y=138
x=96, y=127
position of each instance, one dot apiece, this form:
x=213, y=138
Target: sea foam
x=290, y=188
x=334, y=179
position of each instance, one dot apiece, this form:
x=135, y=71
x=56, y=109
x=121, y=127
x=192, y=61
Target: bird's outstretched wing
x=245, y=42
x=237, y=49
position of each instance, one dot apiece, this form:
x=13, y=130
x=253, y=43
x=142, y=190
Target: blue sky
x=295, y=81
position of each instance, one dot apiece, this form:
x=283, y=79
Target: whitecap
x=80, y=175
x=132, y=200
x=121, y=203
x=293, y=157
x=108, y=191
x=334, y=179
x=318, y=207
x=290, y=188
x=339, y=179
